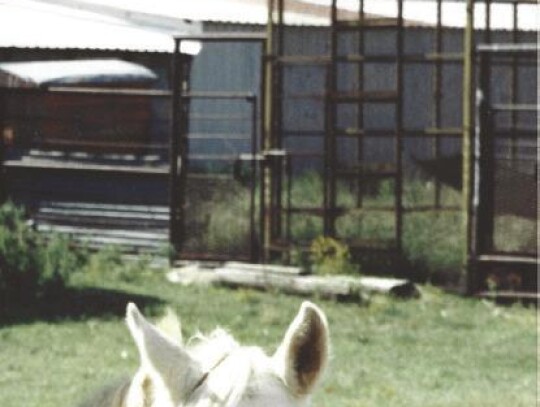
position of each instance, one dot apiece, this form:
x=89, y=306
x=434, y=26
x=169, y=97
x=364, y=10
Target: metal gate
x=503, y=249
x=215, y=180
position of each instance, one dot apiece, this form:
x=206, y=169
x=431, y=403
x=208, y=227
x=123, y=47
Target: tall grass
x=432, y=241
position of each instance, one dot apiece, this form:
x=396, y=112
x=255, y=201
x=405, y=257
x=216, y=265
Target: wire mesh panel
x=215, y=185
x=221, y=216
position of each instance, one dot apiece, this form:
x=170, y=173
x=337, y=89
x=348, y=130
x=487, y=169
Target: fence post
x=468, y=126
x=3, y=188
x=174, y=157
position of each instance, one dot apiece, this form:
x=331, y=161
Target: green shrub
x=30, y=266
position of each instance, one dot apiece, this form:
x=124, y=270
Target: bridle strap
x=204, y=377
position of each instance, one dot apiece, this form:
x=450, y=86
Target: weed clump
x=329, y=256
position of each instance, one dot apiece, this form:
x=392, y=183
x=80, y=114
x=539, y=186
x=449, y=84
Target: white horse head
x=218, y=372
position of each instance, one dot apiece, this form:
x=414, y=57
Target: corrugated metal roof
x=309, y=12
x=226, y=11
x=143, y=25
x=93, y=71
x=34, y=24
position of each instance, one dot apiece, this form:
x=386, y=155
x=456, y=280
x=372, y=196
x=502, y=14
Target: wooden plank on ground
x=247, y=275
x=265, y=268
x=345, y=287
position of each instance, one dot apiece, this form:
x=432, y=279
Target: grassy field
x=440, y=350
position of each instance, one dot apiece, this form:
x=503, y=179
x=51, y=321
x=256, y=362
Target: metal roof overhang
x=33, y=24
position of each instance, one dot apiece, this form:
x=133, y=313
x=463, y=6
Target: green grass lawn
x=440, y=350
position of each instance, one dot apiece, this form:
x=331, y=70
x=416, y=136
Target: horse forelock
x=209, y=349
x=234, y=372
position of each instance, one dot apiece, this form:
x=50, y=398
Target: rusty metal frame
x=438, y=59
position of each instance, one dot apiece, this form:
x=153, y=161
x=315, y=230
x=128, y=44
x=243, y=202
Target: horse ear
x=170, y=326
x=303, y=354
x=172, y=364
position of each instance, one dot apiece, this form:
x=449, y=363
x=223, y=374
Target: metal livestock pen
x=347, y=92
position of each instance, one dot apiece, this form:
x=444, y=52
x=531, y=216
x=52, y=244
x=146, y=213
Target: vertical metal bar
x=468, y=123
x=175, y=165
x=276, y=202
x=288, y=177
x=183, y=150
x=330, y=139
x=437, y=95
x=3, y=113
x=487, y=32
x=485, y=205
x=360, y=117
x=268, y=129
x=399, y=131
x=514, y=81
x=253, y=249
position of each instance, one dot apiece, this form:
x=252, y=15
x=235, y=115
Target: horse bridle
x=205, y=375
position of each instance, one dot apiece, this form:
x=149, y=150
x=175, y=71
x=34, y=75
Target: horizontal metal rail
x=514, y=108
x=219, y=95
x=524, y=50
x=91, y=91
x=223, y=37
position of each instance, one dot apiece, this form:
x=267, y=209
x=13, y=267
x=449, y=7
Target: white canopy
x=94, y=71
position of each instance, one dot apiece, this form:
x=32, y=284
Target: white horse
x=216, y=371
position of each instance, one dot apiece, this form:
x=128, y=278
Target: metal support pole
x=360, y=117
x=3, y=112
x=330, y=136
x=174, y=158
x=254, y=243
x=437, y=94
x=514, y=86
x=399, y=131
x=484, y=217
x=468, y=125
x=288, y=179
x=268, y=134
x=265, y=221
x=277, y=176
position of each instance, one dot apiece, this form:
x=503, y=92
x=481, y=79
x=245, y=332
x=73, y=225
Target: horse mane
x=220, y=348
